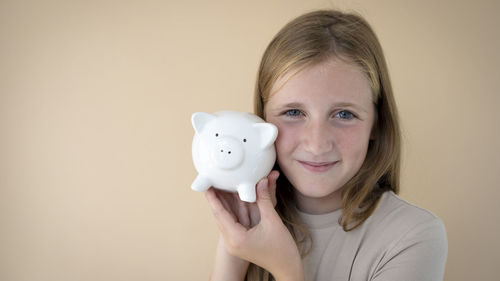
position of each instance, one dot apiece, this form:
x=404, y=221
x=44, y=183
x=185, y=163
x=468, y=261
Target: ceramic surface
x=232, y=151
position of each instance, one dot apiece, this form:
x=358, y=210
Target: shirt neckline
x=322, y=220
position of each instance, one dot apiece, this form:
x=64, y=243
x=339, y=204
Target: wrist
x=227, y=266
x=292, y=271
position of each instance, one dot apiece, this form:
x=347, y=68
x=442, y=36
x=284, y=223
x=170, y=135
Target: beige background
x=95, y=102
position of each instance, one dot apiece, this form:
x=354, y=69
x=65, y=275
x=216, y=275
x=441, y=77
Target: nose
x=318, y=138
x=227, y=153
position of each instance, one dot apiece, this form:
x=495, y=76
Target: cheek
x=286, y=140
x=353, y=142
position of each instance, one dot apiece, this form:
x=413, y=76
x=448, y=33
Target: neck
x=319, y=205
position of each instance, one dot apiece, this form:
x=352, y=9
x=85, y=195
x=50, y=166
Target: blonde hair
x=311, y=39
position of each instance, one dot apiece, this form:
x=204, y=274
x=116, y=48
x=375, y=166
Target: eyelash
x=297, y=113
x=288, y=113
x=351, y=115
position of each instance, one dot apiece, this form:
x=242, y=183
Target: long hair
x=306, y=41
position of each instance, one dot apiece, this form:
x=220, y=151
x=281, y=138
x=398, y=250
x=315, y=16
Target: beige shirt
x=398, y=242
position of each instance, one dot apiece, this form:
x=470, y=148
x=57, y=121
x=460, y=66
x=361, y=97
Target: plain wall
x=95, y=133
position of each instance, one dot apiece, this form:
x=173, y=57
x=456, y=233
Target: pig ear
x=200, y=119
x=267, y=134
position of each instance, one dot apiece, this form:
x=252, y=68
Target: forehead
x=333, y=80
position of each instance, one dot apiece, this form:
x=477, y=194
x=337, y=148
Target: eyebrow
x=293, y=104
x=349, y=104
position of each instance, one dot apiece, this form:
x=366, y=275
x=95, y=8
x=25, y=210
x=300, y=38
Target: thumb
x=264, y=198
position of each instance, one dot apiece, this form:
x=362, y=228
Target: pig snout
x=227, y=153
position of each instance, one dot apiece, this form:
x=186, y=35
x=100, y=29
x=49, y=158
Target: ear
x=200, y=119
x=267, y=134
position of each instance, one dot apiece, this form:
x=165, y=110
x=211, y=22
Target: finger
x=254, y=214
x=264, y=199
x=226, y=202
x=227, y=224
x=243, y=216
x=217, y=205
x=273, y=177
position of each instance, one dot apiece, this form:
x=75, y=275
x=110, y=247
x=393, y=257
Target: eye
x=344, y=114
x=244, y=140
x=216, y=134
x=293, y=113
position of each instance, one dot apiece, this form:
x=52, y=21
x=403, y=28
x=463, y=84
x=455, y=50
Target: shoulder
x=404, y=212
x=409, y=235
x=398, y=217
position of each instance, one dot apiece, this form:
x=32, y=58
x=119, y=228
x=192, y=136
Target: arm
x=420, y=255
x=227, y=267
x=265, y=241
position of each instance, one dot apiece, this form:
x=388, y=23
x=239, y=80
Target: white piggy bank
x=232, y=151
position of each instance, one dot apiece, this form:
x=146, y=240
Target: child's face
x=324, y=116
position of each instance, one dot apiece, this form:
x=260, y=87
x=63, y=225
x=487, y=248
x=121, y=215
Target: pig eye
x=216, y=134
x=244, y=140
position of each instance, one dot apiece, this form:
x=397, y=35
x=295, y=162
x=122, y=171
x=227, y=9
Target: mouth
x=318, y=167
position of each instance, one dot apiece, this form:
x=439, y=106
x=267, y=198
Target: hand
x=255, y=232
x=247, y=214
x=227, y=266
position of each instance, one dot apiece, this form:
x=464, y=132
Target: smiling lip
x=318, y=167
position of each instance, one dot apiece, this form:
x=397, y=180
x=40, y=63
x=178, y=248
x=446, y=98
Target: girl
x=333, y=214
